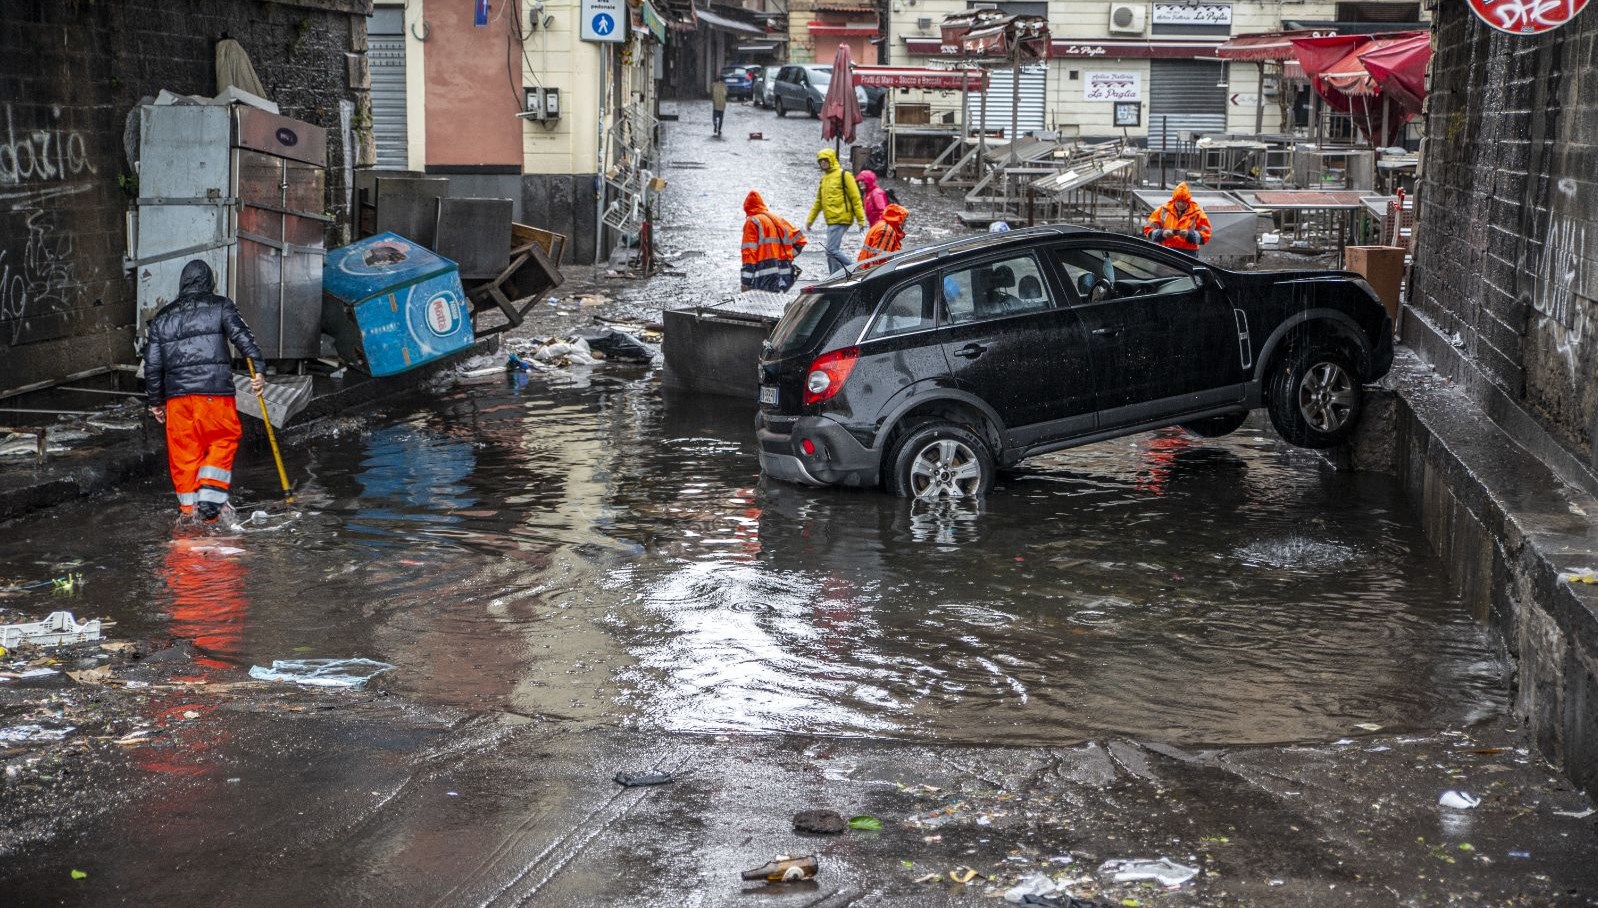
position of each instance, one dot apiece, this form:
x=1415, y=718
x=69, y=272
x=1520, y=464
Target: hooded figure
x=875, y=197
x=838, y=197
x=188, y=380
x=886, y=237
x=769, y=247
x=1179, y=223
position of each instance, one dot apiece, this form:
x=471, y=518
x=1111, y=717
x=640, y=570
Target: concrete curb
x=1508, y=525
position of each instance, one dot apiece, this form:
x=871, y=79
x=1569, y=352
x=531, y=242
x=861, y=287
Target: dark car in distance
x=930, y=371
x=740, y=81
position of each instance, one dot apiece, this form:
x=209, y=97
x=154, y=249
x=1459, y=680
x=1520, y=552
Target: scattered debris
x=1164, y=871
x=1576, y=814
x=321, y=672
x=97, y=675
x=865, y=823
x=638, y=779
x=58, y=628
x=21, y=734
x=784, y=869
x=79, y=875
x=819, y=822
x=964, y=875
x=1033, y=884
x=1580, y=575
x=1458, y=800
x=615, y=344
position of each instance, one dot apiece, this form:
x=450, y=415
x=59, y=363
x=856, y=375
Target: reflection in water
x=593, y=552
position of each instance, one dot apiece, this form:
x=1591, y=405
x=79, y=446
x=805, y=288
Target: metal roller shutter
x=1034, y=82
x=386, y=55
x=1185, y=96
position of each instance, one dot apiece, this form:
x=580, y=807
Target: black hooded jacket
x=187, y=351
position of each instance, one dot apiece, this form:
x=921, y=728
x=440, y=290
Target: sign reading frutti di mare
x=1194, y=13
x=1527, y=17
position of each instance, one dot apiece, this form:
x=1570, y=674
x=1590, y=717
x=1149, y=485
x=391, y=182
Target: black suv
x=941, y=364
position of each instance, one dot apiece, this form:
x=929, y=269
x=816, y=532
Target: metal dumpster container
x=392, y=305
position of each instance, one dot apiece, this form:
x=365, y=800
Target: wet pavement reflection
x=593, y=552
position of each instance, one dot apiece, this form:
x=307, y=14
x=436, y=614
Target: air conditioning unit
x=1126, y=19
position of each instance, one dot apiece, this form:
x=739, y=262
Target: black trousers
x=716, y=118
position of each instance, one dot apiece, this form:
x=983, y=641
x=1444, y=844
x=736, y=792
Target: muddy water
x=582, y=548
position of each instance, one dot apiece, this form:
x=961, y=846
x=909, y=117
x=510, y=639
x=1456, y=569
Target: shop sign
x=1527, y=17
x=1194, y=14
x=1112, y=86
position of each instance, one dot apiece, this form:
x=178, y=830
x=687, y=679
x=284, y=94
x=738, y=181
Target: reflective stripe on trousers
x=202, y=438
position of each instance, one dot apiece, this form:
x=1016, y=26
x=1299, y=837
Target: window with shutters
x=385, y=52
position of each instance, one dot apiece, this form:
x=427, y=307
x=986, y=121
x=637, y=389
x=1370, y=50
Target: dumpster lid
x=382, y=262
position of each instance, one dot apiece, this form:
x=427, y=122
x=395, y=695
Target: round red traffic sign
x=1527, y=17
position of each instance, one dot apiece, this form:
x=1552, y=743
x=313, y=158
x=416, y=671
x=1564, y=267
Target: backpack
x=893, y=197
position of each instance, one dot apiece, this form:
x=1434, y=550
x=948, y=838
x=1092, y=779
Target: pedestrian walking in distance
x=718, y=107
x=838, y=198
x=1179, y=223
x=769, y=248
x=886, y=236
x=188, y=381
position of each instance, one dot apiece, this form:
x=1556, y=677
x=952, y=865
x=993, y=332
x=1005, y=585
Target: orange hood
x=1181, y=193
x=754, y=204
x=895, y=215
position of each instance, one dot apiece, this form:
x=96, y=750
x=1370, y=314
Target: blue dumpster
x=392, y=305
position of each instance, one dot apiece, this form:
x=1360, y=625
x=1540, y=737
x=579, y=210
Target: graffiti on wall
x=38, y=169
x=1565, y=284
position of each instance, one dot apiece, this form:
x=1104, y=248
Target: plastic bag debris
x=1032, y=884
x=1580, y=575
x=18, y=734
x=819, y=822
x=56, y=629
x=565, y=353
x=321, y=672
x=784, y=870
x=637, y=779
x=1165, y=871
x=616, y=344
x=1458, y=800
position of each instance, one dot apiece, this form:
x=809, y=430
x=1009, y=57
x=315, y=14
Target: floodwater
x=578, y=547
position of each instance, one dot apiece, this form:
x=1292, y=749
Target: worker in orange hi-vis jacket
x=188, y=380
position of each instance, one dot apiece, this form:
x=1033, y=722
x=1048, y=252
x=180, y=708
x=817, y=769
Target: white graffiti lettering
x=41, y=279
x=41, y=155
x=1531, y=15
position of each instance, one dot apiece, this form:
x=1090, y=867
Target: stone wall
x=1506, y=267
x=70, y=72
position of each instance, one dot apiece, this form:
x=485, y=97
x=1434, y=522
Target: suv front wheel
x=941, y=460
x=781, y=111
x=1315, y=398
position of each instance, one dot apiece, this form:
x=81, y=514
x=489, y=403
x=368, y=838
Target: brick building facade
x=70, y=73
x=1506, y=268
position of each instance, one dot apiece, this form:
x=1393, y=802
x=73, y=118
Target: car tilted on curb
x=940, y=365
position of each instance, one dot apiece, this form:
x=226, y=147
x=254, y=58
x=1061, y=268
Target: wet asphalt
x=1221, y=652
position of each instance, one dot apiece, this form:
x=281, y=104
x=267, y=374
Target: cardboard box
x=912, y=114
x=1383, y=268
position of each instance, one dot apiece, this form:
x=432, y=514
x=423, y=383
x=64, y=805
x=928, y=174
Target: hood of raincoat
x=1181, y=193
x=830, y=156
x=754, y=204
x=867, y=180
x=895, y=215
x=197, y=279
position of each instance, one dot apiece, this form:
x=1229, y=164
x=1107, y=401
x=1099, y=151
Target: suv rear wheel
x=1315, y=398
x=1215, y=426
x=810, y=108
x=941, y=460
x=781, y=111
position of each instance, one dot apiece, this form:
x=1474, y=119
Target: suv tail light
x=828, y=373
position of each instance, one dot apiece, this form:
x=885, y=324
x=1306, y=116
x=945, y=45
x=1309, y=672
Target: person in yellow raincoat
x=838, y=199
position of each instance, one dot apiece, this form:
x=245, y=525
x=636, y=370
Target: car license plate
x=768, y=395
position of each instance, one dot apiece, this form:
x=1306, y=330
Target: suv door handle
x=971, y=351
x=1106, y=332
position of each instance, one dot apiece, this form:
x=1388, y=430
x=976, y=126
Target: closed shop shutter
x=386, y=55
x=1034, y=80
x=1185, y=96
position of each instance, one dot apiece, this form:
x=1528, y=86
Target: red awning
x=844, y=30
x=1093, y=48
x=1263, y=47
x=920, y=77
x=1400, y=68
x=1338, y=74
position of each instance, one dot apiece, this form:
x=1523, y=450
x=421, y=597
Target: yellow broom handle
x=271, y=437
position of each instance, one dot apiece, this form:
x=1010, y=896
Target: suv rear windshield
x=806, y=316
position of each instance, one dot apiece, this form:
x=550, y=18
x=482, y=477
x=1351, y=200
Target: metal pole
x=599, y=141
x=1015, y=104
x=1259, y=101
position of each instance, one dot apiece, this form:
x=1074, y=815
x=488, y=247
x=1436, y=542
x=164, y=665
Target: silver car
x=803, y=86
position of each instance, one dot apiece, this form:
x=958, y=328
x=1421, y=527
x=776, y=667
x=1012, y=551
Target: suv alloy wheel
x=941, y=460
x=781, y=111
x=1314, y=398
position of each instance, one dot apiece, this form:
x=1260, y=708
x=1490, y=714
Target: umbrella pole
x=271, y=437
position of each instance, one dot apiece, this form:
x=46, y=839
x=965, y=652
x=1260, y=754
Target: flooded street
x=1159, y=645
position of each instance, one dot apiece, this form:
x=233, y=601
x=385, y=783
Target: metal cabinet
x=243, y=189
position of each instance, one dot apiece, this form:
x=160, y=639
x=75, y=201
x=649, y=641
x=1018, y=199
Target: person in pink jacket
x=874, y=196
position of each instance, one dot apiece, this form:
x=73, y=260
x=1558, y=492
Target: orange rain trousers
x=202, y=435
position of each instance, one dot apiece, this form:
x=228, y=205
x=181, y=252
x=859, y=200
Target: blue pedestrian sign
x=604, y=21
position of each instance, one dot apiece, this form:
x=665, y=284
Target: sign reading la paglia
x=1112, y=86
x=1527, y=17
x=1197, y=13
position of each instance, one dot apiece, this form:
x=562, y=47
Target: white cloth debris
x=1165, y=871
x=1458, y=800
x=321, y=672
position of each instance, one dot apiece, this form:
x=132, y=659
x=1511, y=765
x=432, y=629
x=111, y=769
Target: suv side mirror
x=1203, y=278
